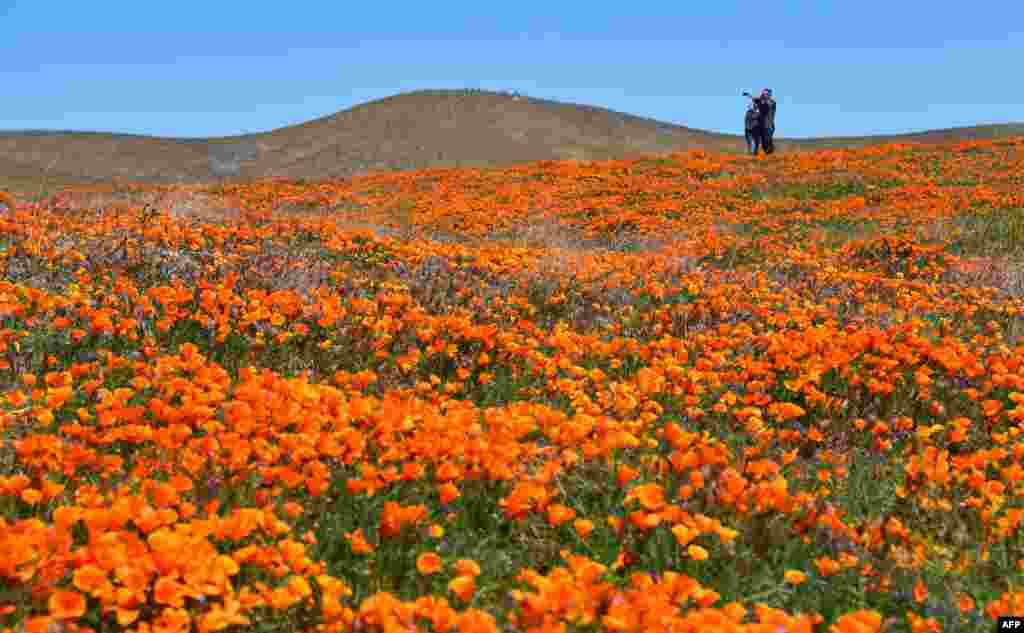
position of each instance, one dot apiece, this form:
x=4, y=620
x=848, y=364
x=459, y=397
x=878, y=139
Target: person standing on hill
x=752, y=132
x=766, y=113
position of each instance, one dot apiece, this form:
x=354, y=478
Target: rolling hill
x=434, y=128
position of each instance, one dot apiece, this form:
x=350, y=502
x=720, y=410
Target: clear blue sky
x=187, y=68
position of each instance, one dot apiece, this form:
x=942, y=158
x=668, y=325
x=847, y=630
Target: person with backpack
x=751, y=124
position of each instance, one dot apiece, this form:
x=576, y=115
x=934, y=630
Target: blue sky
x=189, y=68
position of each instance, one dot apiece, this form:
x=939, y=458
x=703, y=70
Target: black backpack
x=750, y=121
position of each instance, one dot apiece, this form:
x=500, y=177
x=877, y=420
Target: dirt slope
x=410, y=130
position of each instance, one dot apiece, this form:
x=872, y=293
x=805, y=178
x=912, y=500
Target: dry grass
x=434, y=128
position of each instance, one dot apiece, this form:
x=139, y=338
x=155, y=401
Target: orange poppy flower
x=448, y=492
x=651, y=496
x=428, y=563
x=467, y=567
x=559, y=514
x=90, y=579
x=920, y=591
x=583, y=527
x=858, y=622
x=463, y=587
x=169, y=591
x=965, y=603
x=66, y=605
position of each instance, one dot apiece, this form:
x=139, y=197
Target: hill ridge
x=415, y=129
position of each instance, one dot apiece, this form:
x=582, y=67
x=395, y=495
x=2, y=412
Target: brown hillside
x=411, y=130
x=418, y=129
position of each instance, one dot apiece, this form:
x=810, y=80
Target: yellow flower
x=463, y=587
x=697, y=552
x=795, y=577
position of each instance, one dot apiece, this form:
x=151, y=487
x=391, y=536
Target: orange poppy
x=428, y=563
x=463, y=587
x=66, y=605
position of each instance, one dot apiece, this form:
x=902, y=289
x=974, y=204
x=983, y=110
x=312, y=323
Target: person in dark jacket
x=766, y=113
x=753, y=130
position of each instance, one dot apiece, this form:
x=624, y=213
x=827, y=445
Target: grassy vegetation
x=991, y=232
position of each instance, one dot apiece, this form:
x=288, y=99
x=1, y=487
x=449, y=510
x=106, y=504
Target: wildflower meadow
x=689, y=393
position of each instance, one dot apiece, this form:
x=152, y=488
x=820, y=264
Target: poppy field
x=688, y=393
